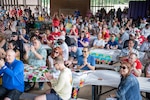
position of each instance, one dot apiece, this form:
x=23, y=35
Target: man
x=13, y=77
x=131, y=36
x=75, y=53
x=128, y=50
x=123, y=38
x=136, y=64
x=86, y=61
x=63, y=88
x=61, y=42
x=36, y=55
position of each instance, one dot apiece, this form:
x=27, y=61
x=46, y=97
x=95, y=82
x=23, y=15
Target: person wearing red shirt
x=55, y=21
x=19, y=12
x=13, y=12
x=105, y=34
x=136, y=64
x=62, y=28
x=87, y=32
x=74, y=30
x=140, y=38
x=56, y=32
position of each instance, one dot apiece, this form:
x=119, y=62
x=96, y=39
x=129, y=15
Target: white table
x=112, y=78
x=106, y=66
x=113, y=53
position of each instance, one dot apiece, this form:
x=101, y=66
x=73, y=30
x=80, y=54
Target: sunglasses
x=84, y=51
x=13, y=36
x=123, y=67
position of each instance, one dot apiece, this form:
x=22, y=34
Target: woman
x=128, y=88
x=112, y=44
x=82, y=40
x=55, y=53
x=99, y=43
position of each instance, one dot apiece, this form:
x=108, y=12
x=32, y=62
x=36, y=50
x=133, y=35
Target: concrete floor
x=85, y=93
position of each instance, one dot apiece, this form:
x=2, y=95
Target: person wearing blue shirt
x=12, y=73
x=75, y=53
x=112, y=44
x=82, y=40
x=128, y=88
x=86, y=61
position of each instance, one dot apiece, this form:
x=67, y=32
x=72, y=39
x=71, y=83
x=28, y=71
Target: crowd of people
x=70, y=38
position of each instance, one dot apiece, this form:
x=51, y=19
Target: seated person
x=148, y=76
x=86, y=61
x=127, y=51
x=146, y=45
x=128, y=88
x=61, y=42
x=112, y=44
x=131, y=36
x=63, y=88
x=99, y=42
x=24, y=36
x=82, y=40
x=136, y=64
x=36, y=55
x=74, y=30
x=105, y=34
x=19, y=43
x=13, y=77
x=75, y=53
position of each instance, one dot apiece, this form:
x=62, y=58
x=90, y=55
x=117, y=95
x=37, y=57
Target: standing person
x=128, y=88
x=63, y=88
x=13, y=77
x=36, y=55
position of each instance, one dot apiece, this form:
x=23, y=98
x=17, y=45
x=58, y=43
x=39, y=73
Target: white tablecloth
x=112, y=78
x=113, y=53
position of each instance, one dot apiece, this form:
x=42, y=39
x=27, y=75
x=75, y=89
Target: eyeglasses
x=13, y=36
x=36, y=32
x=123, y=67
x=84, y=51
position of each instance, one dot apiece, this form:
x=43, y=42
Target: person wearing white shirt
x=99, y=42
x=146, y=45
x=63, y=88
x=114, y=29
x=146, y=30
x=61, y=42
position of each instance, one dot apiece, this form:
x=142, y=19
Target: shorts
x=53, y=96
x=12, y=94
